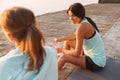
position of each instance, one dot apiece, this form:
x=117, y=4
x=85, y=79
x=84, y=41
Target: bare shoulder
x=85, y=30
x=85, y=27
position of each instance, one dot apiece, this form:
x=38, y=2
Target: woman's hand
x=55, y=41
x=59, y=50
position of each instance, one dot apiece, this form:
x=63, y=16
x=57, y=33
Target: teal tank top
x=94, y=48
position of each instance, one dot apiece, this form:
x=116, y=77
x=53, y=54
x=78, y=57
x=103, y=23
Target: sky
x=40, y=7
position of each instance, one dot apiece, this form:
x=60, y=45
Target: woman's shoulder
x=82, y=27
x=85, y=26
x=13, y=55
x=11, y=63
x=14, y=51
x=11, y=52
x=83, y=30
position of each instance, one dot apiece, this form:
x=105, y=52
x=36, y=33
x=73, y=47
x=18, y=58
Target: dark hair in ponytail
x=93, y=23
x=78, y=10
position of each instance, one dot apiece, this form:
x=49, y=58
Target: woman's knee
x=63, y=58
x=66, y=42
x=69, y=41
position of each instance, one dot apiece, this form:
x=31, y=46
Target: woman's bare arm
x=70, y=37
x=79, y=42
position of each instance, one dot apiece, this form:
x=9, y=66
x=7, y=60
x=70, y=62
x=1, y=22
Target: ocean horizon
x=42, y=7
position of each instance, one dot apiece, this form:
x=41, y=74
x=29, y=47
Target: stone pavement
x=112, y=41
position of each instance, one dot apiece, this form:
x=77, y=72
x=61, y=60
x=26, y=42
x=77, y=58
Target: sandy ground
x=57, y=24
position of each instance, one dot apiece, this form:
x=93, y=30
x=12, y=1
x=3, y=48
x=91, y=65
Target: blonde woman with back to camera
x=31, y=60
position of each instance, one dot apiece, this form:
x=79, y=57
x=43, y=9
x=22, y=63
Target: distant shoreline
x=42, y=7
x=63, y=10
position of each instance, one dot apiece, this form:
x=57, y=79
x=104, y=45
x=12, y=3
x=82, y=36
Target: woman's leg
x=78, y=61
x=71, y=44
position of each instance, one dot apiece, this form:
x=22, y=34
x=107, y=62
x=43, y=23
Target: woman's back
x=30, y=60
x=94, y=47
x=13, y=66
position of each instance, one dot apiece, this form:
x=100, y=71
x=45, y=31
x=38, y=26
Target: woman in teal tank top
x=88, y=49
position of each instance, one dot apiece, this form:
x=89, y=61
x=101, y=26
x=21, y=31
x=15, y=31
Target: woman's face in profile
x=74, y=19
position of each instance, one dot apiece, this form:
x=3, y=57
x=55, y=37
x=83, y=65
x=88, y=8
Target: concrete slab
x=112, y=41
x=110, y=72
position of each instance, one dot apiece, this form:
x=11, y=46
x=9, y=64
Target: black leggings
x=90, y=65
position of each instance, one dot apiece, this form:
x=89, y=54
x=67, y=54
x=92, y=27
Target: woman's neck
x=17, y=46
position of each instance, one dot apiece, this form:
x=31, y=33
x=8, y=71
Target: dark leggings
x=90, y=65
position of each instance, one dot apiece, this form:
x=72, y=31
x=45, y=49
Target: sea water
x=40, y=7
